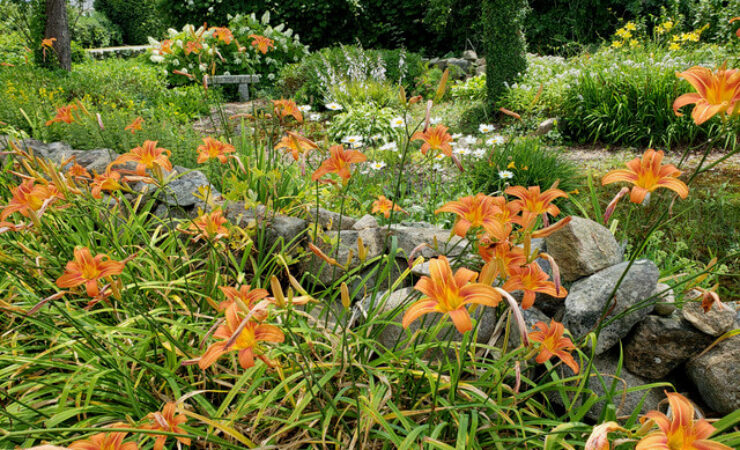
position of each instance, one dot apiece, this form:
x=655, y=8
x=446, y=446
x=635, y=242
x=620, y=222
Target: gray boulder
x=410, y=238
x=714, y=322
x=329, y=220
x=181, y=190
x=716, y=374
x=372, y=239
x=546, y=126
x=658, y=345
x=666, y=300
x=459, y=62
x=95, y=160
x=286, y=231
x=366, y=221
x=583, y=247
x=391, y=307
x=470, y=55
x=589, y=297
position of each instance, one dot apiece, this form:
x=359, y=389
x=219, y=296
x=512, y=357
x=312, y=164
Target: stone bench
x=242, y=80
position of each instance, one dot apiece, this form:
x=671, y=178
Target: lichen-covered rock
x=658, y=345
x=329, y=220
x=589, y=297
x=583, y=247
x=410, y=238
x=666, y=301
x=716, y=374
x=366, y=221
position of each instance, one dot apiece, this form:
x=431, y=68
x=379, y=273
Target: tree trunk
x=57, y=27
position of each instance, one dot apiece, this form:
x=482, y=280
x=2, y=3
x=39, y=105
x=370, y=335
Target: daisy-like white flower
x=376, y=137
x=462, y=151
x=435, y=120
x=495, y=140
x=439, y=157
x=485, y=128
x=457, y=136
x=391, y=147
x=479, y=153
x=333, y=106
x=505, y=174
x=304, y=108
x=314, y=117
x=468, y=140
x=352, y=141
x=397, y=122
x=377, y=165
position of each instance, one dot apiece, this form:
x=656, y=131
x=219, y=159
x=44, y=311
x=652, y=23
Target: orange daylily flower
x=146, y=156
x=503, y=255
x=716, y=92
x=247, y=343
x=681, y=431
x=166, y=420
x=647, y=175
x=134, y=126
x=449, y=294
x=531, y=279
x=737, y=32
x=474, y=212
x=223, y=34
x=284, y=108
x=28, y=197
x=64, y=114
x=262, y=43
x=338, y=162
x=209, y=226
x=77, y=171
x=193, y=47
x=86, y=269
x=165, y=47
x=533, y=203
x=383, y=205
x=109, y=181
x=295, y=144
x=213, y=148
x=248, y=296
x=105, y=441
x=436, y=138
x=48, y=43
x=553, y=343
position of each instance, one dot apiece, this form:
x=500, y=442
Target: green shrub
x=529, y=162
x=474, y=115
x=95, y=30
x=366, y=120
x=505, y=57
x=238, y=56
x=360, y=92
x=309, y=80
x=137, y=19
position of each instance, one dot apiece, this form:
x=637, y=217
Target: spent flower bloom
x=209, y=226
x=553, y=343
x=213, y=148
x=88, y=270
x=647, y=174
x=680, y=432
x=449, y=294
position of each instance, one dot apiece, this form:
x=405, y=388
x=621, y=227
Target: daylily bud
x=344, y=290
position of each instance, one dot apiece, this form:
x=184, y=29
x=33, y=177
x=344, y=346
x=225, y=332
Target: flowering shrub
x=235, y=49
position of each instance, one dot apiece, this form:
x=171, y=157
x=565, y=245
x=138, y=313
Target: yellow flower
x=668, y=25
x=674, y=46
x=634, y=43
x=617, y=44
x=630, y=26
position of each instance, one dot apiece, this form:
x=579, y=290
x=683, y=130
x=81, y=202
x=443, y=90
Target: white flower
x=505, y=174
x=175, y=62
x=437, y=167
x=157, y=58
x=479, y=153
x=468, y=140
x=435, y=120
x=496, y=139
x=304, y=108
x=485, y=128
x=203, y=67
x=377, y=165
x=376, y=137
x=457, y=136
x=270, y=76
x=353, y=141
x=397, y=122
x=184, y=70
x=334, y=106
x=227, y=73
x=439, y=156
x=462, y=151
x=315, y=117
x=391, y=146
